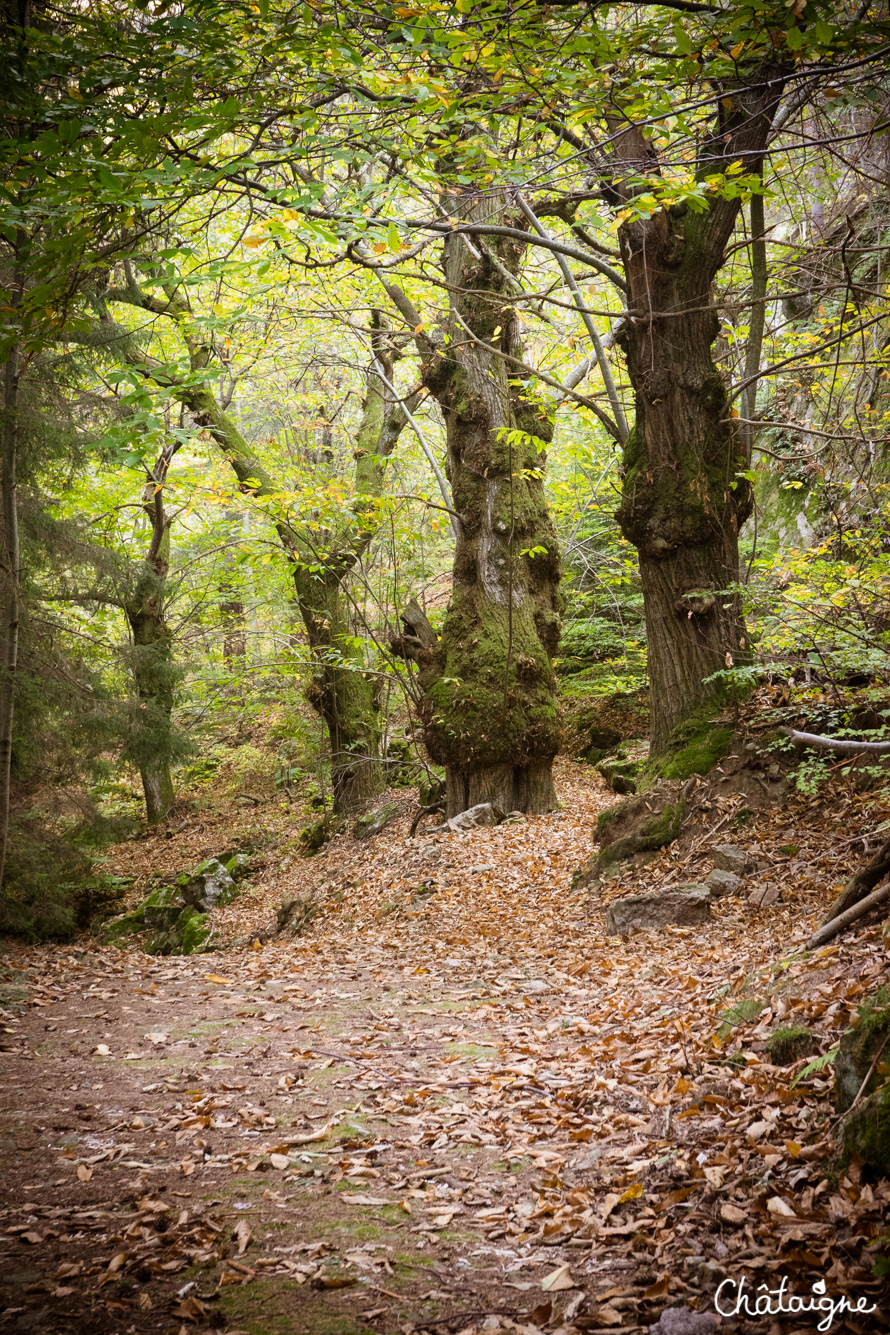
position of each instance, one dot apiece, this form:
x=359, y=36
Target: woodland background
x=395, y=394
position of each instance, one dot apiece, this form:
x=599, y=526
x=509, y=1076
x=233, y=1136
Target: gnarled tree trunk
x=489, y=704
x=683, y=499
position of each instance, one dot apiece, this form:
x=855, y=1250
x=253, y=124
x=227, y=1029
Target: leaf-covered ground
x=452, y=1104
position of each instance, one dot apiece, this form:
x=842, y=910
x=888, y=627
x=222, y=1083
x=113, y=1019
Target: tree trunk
x=10, y=592
x=341, y=692
x=682, y=502
x=489, y=704
x=683, y=499
x=231, y=607
x=153, y=672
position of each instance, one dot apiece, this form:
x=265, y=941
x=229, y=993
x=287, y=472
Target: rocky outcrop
x=176, y=915
x=637, y=826
x=680, y=906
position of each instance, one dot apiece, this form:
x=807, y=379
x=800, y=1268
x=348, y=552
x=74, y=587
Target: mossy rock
x=867, y=1131
x=695, y=747
x=315, y=836
x=864, y=1048
x=374, y=821
x=620, y=773
x=432, y=790
x=639, y=824
x=118, y=928
x=786, y=1046
x=189, y=934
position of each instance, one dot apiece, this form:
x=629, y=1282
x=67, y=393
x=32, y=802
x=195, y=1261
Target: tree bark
x=683, y=499
x=489, y=704
x=231, y=607
x=153, y=673
x=340, y=690
x=10, y=592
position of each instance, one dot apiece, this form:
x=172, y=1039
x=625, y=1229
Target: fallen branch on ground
x=840, y=745
x=831, y=929
x=862, y=883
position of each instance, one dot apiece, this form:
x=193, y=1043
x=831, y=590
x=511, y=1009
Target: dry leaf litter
x=451, y=1103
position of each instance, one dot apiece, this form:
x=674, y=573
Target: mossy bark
x=683, y=499
x=489, y=703
x=154, y=676
x=340, y=690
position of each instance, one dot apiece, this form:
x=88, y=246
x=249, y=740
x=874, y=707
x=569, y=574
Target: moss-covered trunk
x=153, y=675
x=489, y=692
x=683, y=498
x=340, y=690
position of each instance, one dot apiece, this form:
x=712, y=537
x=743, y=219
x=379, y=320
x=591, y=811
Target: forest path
x=459, y=1111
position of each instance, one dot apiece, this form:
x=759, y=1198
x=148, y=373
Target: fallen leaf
x=215, y=978
x=308, y=1140
x=560, y=1278
x=157, y=1039
x=731, y=1214
x=243, y=1236
x=103, y=1050
x=633, y=1193
x=776, y=1205
x=279, y=1161
x=190, y=1309
x=359, y=1198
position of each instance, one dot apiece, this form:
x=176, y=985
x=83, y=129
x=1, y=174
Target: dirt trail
x=457, y=1107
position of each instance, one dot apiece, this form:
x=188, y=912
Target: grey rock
x=374, y=821
x=722, y=883
x=728, y=857
x=683, y=1321
x=484, y=813
x=483, y=866
x=681, y=906
x=762, y=896
x=208, y=886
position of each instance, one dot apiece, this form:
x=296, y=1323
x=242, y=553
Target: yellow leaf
x=793, y=1147
x=84, y=1173
x=633, y=1193
x=215, y=978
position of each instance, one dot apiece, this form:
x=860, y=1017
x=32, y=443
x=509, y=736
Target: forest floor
x=452, y=1104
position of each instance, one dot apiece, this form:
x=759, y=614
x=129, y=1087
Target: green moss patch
x=786, y=1046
